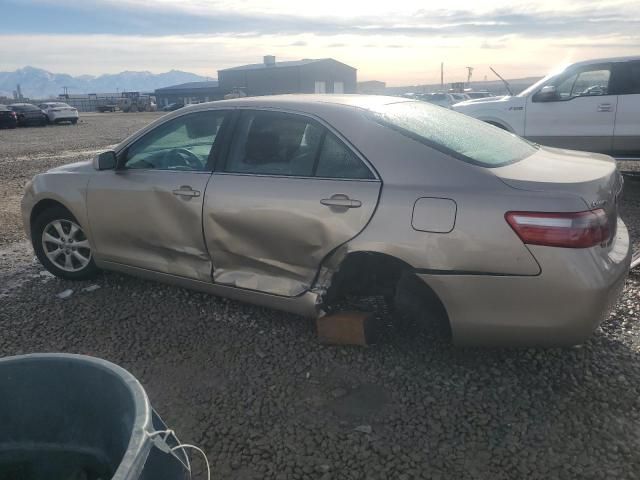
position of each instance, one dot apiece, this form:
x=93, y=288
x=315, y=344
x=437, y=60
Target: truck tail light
x=569, y=230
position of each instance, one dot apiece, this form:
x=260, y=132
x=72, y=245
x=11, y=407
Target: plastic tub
x=73, y=417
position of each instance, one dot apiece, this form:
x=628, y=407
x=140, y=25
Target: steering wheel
x=189, y=158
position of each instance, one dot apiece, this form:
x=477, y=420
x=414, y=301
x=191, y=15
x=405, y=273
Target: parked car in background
x=28, y=114
x=172, y=106
x=58, y=112
x=592, y=106
x=8, y=118
x=439, y=98
x=459, y=97
x=507, y=242
x=106, y=108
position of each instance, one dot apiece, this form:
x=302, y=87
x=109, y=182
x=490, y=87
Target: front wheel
x=74, y=121
x=62, y=246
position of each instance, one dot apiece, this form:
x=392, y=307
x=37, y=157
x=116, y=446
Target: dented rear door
x=289, y=192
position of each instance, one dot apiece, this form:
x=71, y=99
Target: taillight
x=569, y=230
x=13, y=114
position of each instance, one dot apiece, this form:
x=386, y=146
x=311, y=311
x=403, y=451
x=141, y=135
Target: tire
x=74, y=121
x=45, y=234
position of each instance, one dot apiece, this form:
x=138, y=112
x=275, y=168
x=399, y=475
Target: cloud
x=492, y=46
x=159, y=18
x=299, y=43
x=336, y=45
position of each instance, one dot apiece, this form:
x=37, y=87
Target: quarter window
x=634, y=67
x=183, y=143
x=336, y=161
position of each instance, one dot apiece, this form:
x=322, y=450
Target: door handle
x=604, y=107
x=341, y=201
x=186, y=191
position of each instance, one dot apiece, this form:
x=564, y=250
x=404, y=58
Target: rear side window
x=458, y=135
x=627, y=78
x=278, y=143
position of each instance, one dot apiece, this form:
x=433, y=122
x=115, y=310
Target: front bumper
x=561, y=306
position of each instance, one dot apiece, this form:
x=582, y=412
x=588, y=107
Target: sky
x=401, y=42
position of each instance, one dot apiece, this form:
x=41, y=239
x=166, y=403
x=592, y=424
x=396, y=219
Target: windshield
x=458, y=135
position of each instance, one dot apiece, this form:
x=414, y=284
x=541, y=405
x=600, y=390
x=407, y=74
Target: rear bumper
x=562, y=306
x=8, y=122
x=62, y=116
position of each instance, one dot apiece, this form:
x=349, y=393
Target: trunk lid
x=590, y=176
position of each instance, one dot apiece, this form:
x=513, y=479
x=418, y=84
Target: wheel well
x=43, y=205
x=373, y=274
x=366, y=273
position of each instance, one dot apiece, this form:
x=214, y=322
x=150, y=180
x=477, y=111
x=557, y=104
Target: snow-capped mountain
x=39, y=84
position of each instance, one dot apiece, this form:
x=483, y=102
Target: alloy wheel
x=66, y=246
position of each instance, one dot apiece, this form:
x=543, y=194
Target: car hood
x=85, y=166
x=506, y=100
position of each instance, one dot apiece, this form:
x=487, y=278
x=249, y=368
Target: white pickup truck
x=592, y=105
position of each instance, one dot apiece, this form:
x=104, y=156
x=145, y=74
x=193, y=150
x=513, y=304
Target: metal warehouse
x=324, y=75
x=187, y=93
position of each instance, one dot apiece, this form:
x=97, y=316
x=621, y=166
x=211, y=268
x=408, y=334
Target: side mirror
x=107, y=160
x=548, y=93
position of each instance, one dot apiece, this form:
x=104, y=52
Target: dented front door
x=150, y=219
x=289, y=193
x=148, y=212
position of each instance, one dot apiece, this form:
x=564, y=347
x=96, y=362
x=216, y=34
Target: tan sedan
x=293, y=202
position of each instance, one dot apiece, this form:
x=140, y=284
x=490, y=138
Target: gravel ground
x=255, y=389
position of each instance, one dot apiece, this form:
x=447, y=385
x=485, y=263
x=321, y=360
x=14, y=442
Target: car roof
x=307, y=101
x=596, y=61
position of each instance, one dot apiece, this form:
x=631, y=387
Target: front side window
x=455, y=134
x=585, y=83
x=183, y=143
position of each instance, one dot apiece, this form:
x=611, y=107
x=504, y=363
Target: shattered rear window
x=453, y=133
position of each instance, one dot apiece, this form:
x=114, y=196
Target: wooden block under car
x=348, y=328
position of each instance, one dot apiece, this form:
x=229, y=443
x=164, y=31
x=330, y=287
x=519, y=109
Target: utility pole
x=469, y=73
x=441, y=74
